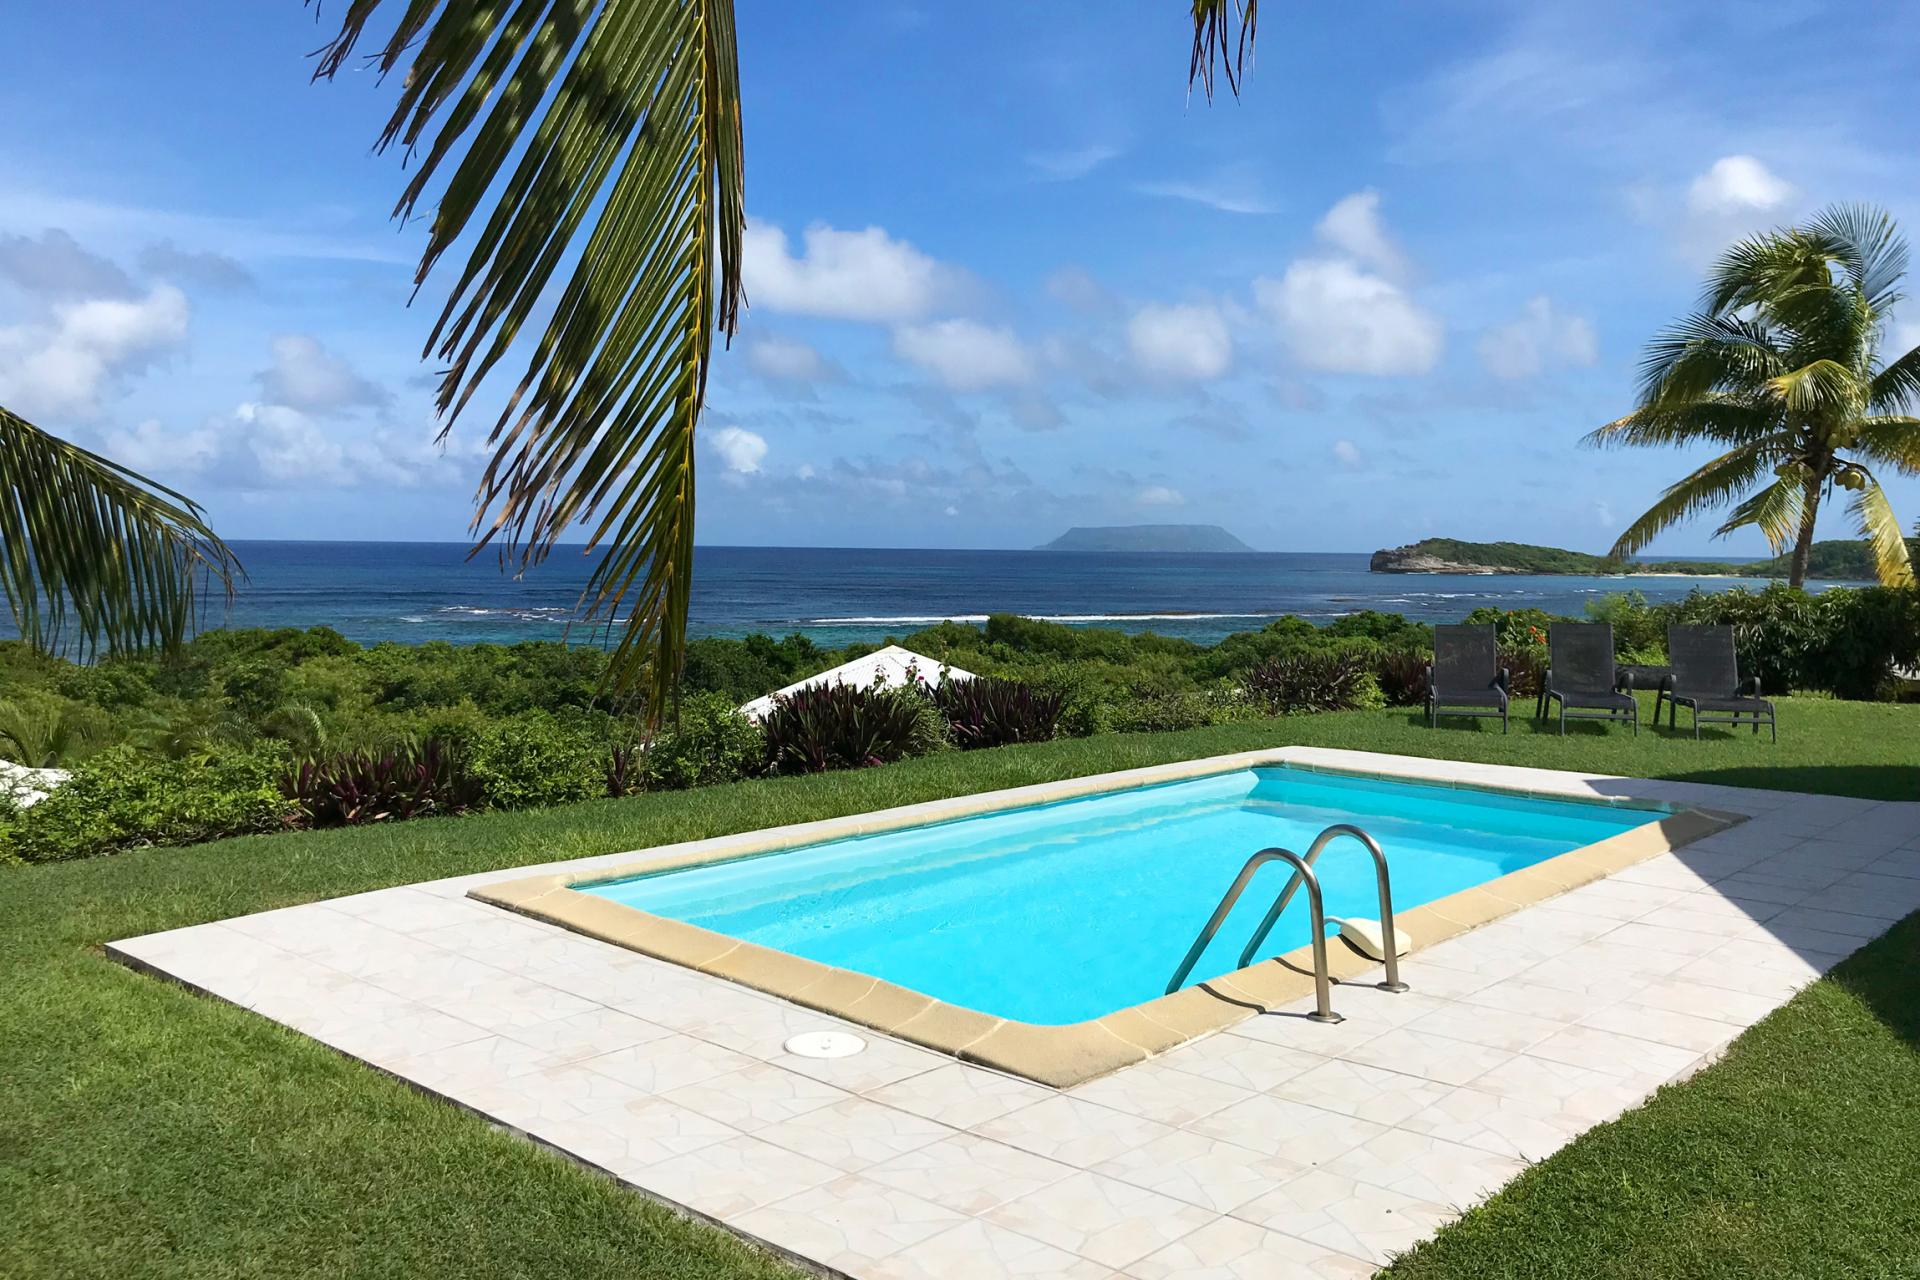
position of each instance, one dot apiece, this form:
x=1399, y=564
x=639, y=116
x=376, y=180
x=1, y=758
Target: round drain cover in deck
x=824, y=1044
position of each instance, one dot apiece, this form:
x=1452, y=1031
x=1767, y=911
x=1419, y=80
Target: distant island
x=1188, y=538
x=1836, y=560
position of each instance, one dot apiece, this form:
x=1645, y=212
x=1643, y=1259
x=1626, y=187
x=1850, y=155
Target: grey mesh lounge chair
x=1705, y=679
x=1583, y=677
x=1465, y=677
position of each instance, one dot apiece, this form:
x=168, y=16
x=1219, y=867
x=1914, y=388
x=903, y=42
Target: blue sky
x=1003, y=276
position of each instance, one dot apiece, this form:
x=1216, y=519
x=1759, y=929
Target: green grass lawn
x=149, y=1132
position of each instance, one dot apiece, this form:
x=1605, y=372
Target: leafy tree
x=1781, y=369
x=595, y=140
x=599, y=139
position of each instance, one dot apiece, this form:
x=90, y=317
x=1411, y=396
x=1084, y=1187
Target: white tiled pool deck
x=1277, y=1148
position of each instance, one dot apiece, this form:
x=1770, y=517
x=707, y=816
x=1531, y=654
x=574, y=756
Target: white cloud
x=1231, y=191
x=847, y=275
x=1180, y=341
x=150, y=448
x=213, y=270
x=289, y=447
x=1737, y=185
x=1339, y=312
x=1077, y=288
x=56, y=266
x=786, y=360
x=64, y=365
x=1542, y=336
x=964, y=354
x=805, y=472
x=1075, y=162
x=1353, y=226
x=262, y=448
x=1158, y=495
x=1346, y=453
x=742, y=451
x=305, y=375
x=1336, y=316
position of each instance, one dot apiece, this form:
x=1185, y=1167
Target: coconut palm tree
x=95, y=559
x=593, y=176
x=1781, y=368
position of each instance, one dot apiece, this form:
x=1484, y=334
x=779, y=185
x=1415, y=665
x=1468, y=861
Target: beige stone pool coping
x=1061, y=1056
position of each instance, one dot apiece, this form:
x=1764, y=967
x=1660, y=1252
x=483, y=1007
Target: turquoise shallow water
x=1063, y=912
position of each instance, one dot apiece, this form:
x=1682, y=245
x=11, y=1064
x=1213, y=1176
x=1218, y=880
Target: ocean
x=414, y=592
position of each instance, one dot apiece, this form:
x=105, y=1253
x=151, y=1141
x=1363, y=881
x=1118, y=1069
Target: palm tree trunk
x=1803, y=545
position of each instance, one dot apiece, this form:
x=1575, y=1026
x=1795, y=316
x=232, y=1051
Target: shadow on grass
x=1885, y=977
x=1859, y=781
x=1525, y=723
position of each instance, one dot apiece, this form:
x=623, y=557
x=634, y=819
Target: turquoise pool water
x=1062, y=912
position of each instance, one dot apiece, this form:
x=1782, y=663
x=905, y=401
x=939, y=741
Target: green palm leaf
x=1706, y=353
x=1897, y=386
x=1873, y=515
x=1815, y=387
x=1718, y=419
x=1223, y=34
x=1891, y=440
x=1713, y=484
x=1776, y=511
x=95, y=558
x=1869, y=248
x=606, y=134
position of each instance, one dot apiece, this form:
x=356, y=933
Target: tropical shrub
x=1402, y=676
x=357, y=787
x=1843, y=640
x=990, y=712
x=1513, y=628
x=844, y=726
x=122, y=799
x=1390, y=629
x=1526, y=667
x=45, y=733
x=536, y=759
x=1167, y=711
x=1639, y=629
x=1313, y=680
x=711, y=742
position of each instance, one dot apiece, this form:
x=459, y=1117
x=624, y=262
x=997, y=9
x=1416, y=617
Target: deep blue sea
x=414, y=591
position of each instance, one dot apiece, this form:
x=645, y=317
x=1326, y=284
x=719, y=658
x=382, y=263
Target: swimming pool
x=1063, y=912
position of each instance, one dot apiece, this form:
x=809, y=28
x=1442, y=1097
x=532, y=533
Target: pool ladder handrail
x=1317, y=918
x=1388, y=943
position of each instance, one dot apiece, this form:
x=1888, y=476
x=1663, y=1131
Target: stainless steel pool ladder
x=1317, y=917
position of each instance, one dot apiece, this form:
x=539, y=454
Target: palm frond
x=1873, y=514
x=1725, y=420
x=1891, y=440
x=1776, y=511
x=1759, y=269
x=1815, y=387
x=607, y=133
x=1714, y=484
x=1222, y=35
x=1704, y=353
x=1868, y=245
x=95, y=558
x=1897, y=386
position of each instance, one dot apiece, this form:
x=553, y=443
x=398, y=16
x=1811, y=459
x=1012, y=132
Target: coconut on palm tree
x=1782, y=370
x=592, y=163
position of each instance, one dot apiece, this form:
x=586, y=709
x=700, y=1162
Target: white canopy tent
x=893, y=664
